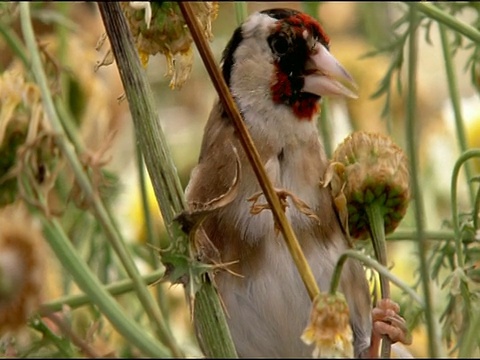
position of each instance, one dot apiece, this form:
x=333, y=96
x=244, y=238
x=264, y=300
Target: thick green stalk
x=377, y=233
x=412, y=146
x=84, y=182
x=160, y=166
x=158, y=160
x=455, y=98
x=208, y=330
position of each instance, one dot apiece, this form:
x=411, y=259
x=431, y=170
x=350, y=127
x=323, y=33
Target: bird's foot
x=283, y=194
x=388, y=322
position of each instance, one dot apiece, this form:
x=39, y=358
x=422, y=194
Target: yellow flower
x=329, y=328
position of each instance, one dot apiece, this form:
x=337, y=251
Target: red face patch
x=287, y=80
x=304, y=106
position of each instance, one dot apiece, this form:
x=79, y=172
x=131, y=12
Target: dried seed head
x=159, y=27
x=22, y=267
x=21, y=120
x=374, y=169
x=329, y=327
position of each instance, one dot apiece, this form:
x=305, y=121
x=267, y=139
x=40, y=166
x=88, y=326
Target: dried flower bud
x=329, y=328
x=22, y=267
x=159, y=27
x=374, y=169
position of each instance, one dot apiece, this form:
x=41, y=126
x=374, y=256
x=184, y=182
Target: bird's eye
x=279, y=45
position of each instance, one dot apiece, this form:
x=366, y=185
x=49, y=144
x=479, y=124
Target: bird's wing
x=214, y=181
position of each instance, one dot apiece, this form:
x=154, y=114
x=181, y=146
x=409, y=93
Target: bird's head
x=282, y=55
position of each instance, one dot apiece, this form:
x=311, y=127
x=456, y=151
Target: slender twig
x=241, y=11
x=152, y=238
x=14, y=42
x=372, y=263
x=85, y=348
x=311, y=8
x=377, y=233
x=458, y=236
x=117, y=288
x=456, y=106
x=432, y=11
x=325, y=128
x=468, y=343
x=412, y=146
x=404, y=235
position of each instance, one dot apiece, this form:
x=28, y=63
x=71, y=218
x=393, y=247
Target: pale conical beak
x=326, y=76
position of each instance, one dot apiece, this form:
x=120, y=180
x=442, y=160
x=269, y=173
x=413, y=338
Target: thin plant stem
x=412, y=145
x=311, y=8
x=152, y=237
x=455, y=99
x=371, y=263
x=62, y=52
x=64, y=348
x=456, y=170
x=84, y=182
x=433, y=12
x=14, y=42
x=470, y=340
x=458, y=236
x=241, y=11
x=97, y=294
x=117, y=288
x=403, y=235
x=377, y=233
x=476, y=209
x=325, y=129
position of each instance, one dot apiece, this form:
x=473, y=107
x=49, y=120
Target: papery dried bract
x=167, y=33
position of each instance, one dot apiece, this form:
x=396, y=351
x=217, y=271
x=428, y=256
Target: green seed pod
x=375, y=171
